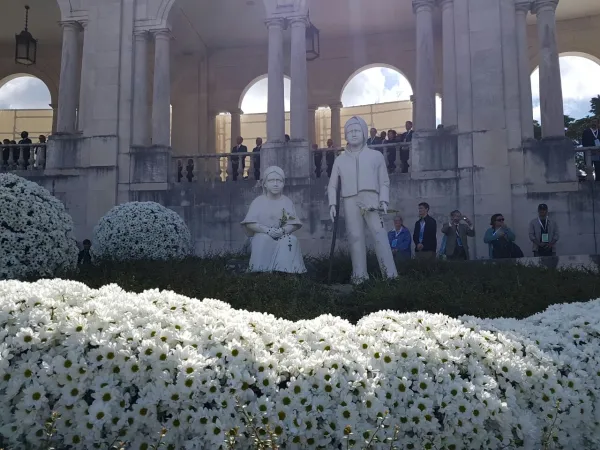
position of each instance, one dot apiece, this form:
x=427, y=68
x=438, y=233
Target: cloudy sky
x=376, y=85
x=580, y=82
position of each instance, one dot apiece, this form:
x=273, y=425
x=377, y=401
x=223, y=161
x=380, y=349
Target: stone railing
x=215, y=167
x=23, y=157
x=589, y=153
x=223, y=167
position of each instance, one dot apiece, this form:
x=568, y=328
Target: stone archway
x=372, y=68
x=579, y=74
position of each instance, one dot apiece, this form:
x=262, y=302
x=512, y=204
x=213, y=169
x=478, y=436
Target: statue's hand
x=383, y=206
x=332, y=212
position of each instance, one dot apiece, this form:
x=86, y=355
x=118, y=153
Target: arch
x=10, y=78
x=577, y=91
x=377, y=66
x=286, y=87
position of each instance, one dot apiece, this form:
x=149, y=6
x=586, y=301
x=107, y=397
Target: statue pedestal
x=293, y=157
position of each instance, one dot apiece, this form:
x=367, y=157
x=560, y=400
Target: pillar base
x=150, y=164
x=293, y=157
x=550, y=160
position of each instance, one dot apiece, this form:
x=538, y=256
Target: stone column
x=67, y=88
x=276, y=106
x=522, y=8
x=54, y=116
x=141, y=120
x=425, y=92
x=85, y=83
x=312, y=127
x=236, y=125
x=414, y=108
x=212, y=133
x=336, y=124
x=161, y=101
x=551, y=101
x=449, y=107
x=299, y=89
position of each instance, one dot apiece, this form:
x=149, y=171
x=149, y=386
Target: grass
x=482, y=289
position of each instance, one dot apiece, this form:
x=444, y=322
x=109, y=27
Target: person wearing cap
x=365, y=192
x=543, y=233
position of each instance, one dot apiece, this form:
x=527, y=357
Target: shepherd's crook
x=335, y=228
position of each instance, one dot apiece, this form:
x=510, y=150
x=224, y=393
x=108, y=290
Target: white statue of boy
x=365, y=191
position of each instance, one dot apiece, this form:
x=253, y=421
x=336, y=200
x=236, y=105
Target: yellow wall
x=383, y=116
x=35, y=121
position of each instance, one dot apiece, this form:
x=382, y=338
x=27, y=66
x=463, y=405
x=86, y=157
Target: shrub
x=141, y=230
x=35, y=231
x=112, y=363
x=455, y=289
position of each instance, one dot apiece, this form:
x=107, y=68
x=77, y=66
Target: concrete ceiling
x=225, y=23
x=44, y=16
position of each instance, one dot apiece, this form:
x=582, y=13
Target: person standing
x=235, y=160
x=26, y=142
x=256, y=159
x=85, y=256
x=329, y=157
x=365, y=192
x=400, y=241
x=405, y=152
x=457, y=234
x=501, y=239
x=425, y=234
x=543, y=233
x=374, y=139
x=591, y=138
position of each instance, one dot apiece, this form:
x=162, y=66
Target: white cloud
x=376, y=85
x=579, y=84
x=25, y=93
x=255, y=99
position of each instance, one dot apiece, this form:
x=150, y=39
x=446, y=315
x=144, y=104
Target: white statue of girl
x=270, y=222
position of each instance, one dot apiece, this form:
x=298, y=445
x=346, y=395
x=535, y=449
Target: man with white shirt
x=365, y=191
x=591, y=138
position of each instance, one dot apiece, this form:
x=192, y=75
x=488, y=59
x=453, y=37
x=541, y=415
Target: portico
x=116, y=85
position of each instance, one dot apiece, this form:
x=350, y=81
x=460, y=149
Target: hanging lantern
x=26, y=45
x=313, y=43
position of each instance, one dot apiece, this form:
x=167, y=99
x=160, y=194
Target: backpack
x=504, y=249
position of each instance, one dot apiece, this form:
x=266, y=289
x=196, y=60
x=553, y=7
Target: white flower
x=111, y=362
x=35, y=231
x=141, y=230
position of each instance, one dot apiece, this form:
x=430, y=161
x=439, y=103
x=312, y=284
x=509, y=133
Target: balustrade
x=226, y=167
x=23, y=157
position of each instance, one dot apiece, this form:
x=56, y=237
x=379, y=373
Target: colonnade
x=550, y=83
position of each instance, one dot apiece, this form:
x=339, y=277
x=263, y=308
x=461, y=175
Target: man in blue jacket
x=400, y=241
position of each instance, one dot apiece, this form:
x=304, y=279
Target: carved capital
x=276, y=22
x=236, y=112
x=337, y=105
x=163, y=33
x=141, y=35
x=544, y=5
x=71, y=25
x=423, y=5
x=445, y=3
x=523, y=6
x=299, y=21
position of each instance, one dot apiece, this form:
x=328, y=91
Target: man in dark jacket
x=591, y=138
x=405, y=152
x=256, y=159
x=235, y=160
x=425, y=234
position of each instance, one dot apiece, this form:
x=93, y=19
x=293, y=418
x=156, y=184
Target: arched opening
x=579, y=73
x=379, y=93
x=253, y=103
x=24, y=106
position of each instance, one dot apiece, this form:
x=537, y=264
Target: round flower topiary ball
x=141, y=231
x=35, y=231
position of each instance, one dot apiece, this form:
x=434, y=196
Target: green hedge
x=474, y=288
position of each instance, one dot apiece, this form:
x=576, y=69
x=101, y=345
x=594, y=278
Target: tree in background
x=595, y=106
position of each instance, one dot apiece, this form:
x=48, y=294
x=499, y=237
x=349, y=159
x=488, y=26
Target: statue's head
x=273, y=180
x=357, y=131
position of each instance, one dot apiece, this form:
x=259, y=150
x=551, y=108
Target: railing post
x=21, y=160
x=41, y=157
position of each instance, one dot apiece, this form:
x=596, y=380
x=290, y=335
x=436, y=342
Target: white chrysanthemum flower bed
x=111, y=362
x=141, y=230
x=35, y=231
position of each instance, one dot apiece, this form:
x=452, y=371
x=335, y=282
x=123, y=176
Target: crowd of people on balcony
x=21, y=155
